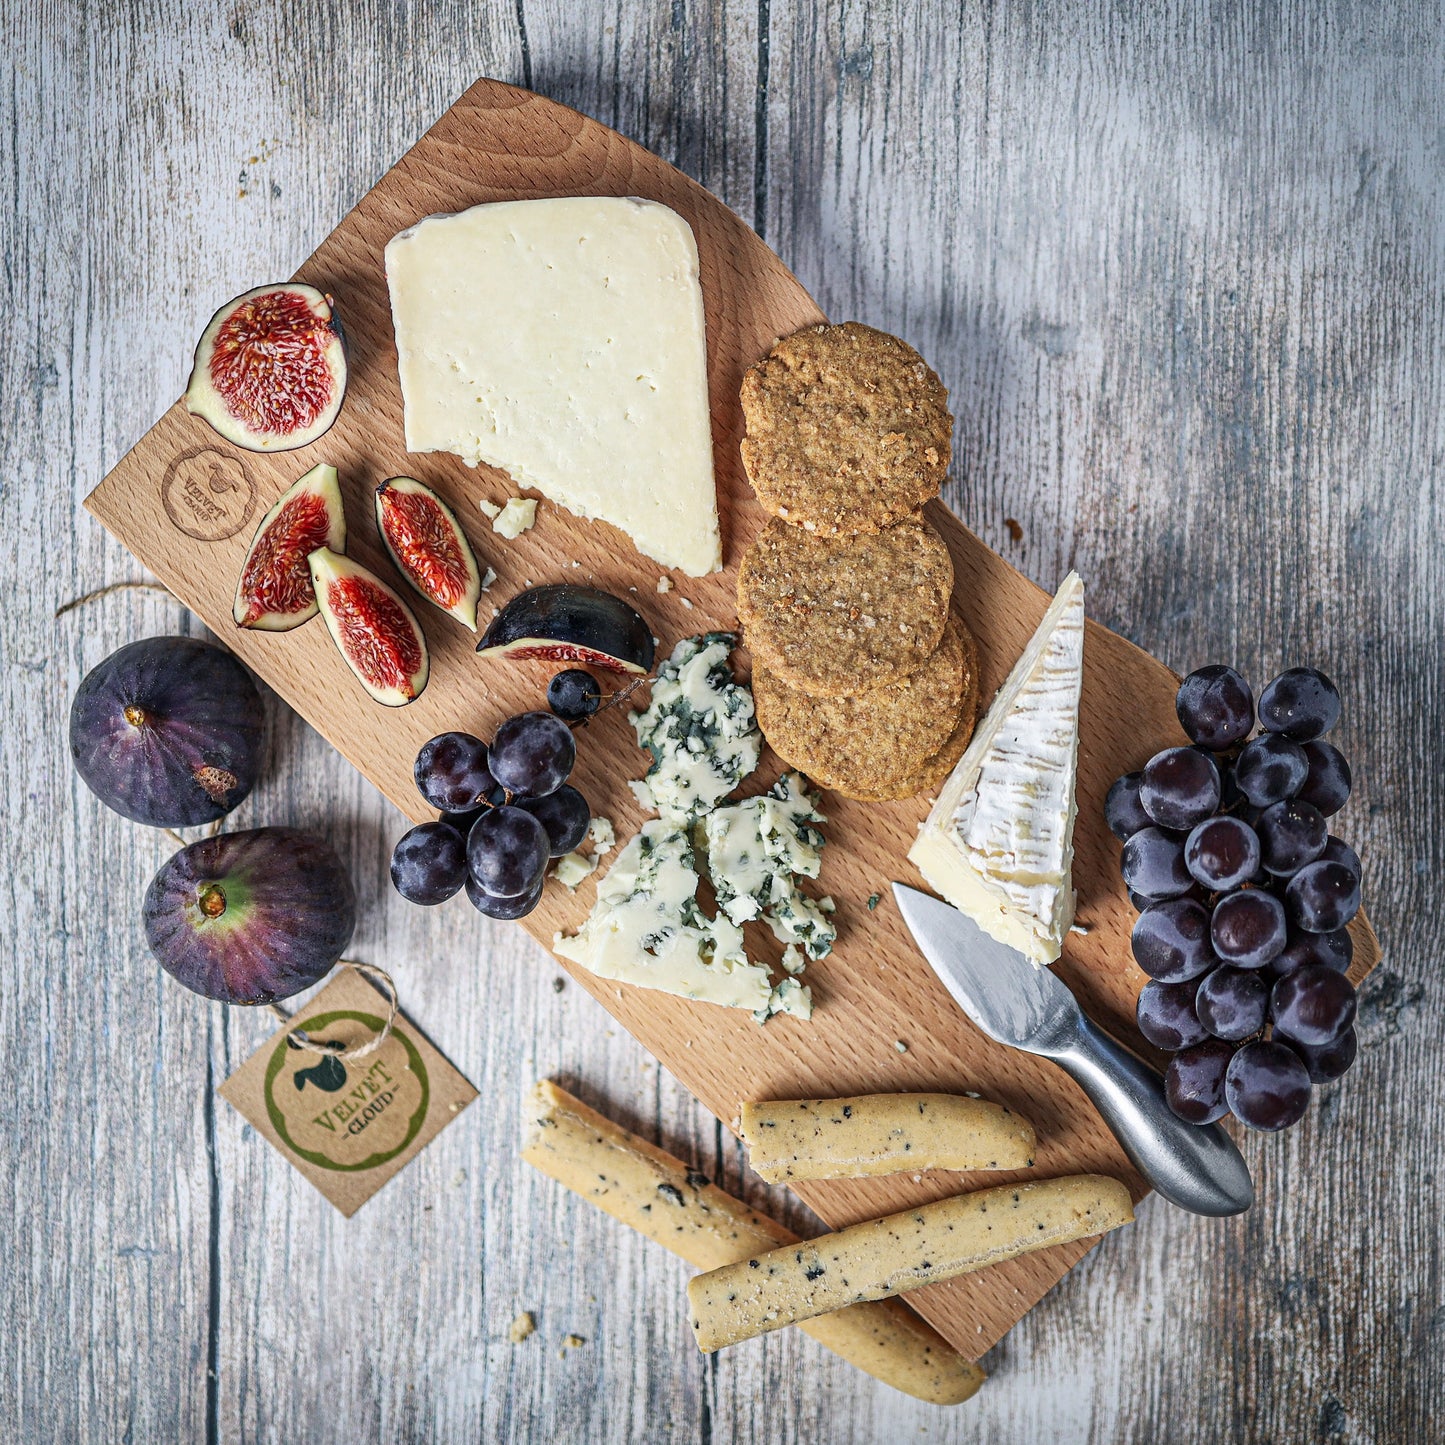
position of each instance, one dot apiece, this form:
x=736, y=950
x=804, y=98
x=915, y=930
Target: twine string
x=115, y=587
x=300, y=1039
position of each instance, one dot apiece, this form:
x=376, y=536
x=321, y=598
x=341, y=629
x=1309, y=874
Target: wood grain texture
x=1182, y=271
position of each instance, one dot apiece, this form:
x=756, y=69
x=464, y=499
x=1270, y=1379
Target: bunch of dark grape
x=506, y=811
x=1244, y=897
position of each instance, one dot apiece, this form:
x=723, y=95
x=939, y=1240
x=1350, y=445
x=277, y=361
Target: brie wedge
x=999, y=842
x=562, y=341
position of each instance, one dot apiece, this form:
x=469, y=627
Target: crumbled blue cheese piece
x=790, y=997
x=571, y=868
x=757, y=849
x=602, y=835
x=646, y=928
x=699, y=728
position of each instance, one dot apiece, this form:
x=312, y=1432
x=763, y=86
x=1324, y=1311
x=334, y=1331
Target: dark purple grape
x=1328, y=1061
x=1123, y=811
x=1270, y=769
x=1248, y=928
x=574, y=695
x=1323, y=897
x=564, y=814
x=1327, y=783
x=462, y=822
x=429, y=863
x=1232, y=1003
x=507, y=852
x=1291, y=834
x=1301, y=704
x=1328, y=950
x=1267, y=1086
x=1215, y=707
x=1179, y=787
x=533, y=754
x=1165, y=1015
x=1336, y=850
x=1140, y=900
x=1194, y=1081
x=1314, y=1005
x=1222, y=853
x=451, y=772
x=1171, y=940
x=506, y=908
x=1153, y=864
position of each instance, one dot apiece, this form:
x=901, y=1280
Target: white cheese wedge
x=999, y=842
x=562, y=341
x=646, y=928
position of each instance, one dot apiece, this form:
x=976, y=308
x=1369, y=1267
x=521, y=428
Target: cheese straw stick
x=882, y=1134
x=677, y=1207
x=904, y=1251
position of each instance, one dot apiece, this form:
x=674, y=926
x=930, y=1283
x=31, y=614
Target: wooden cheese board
x=186, y=503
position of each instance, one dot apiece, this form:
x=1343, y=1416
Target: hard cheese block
x=562, y=341
x=999, y=841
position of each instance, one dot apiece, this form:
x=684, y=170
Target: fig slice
x=565, y=623
x=270, y=368
x=374, y=629
x=250, y=917
x=169, y=731
x=429, y=547
x=274, y=592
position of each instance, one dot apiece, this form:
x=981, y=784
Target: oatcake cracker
x=833, y=616
x=930, y=774
x=848, y=429
x=873, y=739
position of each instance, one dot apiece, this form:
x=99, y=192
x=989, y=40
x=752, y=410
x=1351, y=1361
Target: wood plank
x=883, y=1020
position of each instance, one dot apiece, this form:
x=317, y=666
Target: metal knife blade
x=1194, y=1166
x=1008, y=997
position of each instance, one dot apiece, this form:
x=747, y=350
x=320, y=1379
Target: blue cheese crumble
x=756, y=851
x=699, y=728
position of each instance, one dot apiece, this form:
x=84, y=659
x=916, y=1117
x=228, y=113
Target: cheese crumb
x=572, y=868
x=490, y=508
x=664, y=584
x=488, y=577
x=900, y=1046
x=685, y=603
x=602, y=834
x=522, y=1326
x=515, y=518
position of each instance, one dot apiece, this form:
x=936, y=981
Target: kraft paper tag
x=348, y=1126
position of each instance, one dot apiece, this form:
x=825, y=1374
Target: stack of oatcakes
x=864, y=677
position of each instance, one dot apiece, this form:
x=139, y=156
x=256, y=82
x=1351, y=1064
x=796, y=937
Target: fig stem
x=213, y=900
x=615, y=698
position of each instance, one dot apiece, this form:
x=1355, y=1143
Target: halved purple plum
x=565, y=623
x=251, y=917
x=168, y=731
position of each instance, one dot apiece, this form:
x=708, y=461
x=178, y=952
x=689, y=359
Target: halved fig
x=374, y=629
x=251, y=917
x=429, y=547
x=270, y=368
x=564, y=623
x=274, y=593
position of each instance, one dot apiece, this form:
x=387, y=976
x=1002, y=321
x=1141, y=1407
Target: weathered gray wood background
x=1181, y=266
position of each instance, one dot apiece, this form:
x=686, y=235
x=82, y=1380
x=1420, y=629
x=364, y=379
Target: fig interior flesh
x=567, y=623
x=374, y=630
x=168, y=731
x=270, y=368
x=274, y=592
x=429, y=547
x=251, y=917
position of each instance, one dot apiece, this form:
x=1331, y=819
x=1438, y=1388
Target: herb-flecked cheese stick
x=883, y=1257
x=659, y=1196
x=882, y=1134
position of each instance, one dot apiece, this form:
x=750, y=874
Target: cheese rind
x=885, y=1257
x=872, y=1134
x=563, y=341
x=999, y=841
x=682, y=1210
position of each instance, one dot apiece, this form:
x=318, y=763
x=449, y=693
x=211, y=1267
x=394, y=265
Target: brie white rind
x=646, y=928
x=562, y=341
x=999, y=841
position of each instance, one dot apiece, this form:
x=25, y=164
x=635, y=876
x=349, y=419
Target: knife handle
x=1194, y=1166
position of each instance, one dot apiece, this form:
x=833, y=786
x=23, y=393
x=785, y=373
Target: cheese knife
x=1026, y=1007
